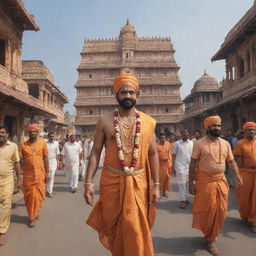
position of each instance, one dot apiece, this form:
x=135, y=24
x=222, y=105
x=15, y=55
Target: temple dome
x=206, y=82
x=128, y=28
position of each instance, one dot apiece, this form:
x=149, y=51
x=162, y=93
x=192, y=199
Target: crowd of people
x=136, y=171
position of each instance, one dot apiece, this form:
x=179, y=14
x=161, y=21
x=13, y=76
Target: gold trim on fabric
x=121, y=172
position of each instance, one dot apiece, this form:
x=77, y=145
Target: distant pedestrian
x=53, y=158
x=9, y=160
x=181, y=155
x=245, y=155
x=164, y=149
x=33, y=153
x=71, y=158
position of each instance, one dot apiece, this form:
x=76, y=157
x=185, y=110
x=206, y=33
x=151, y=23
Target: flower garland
x=136, y=143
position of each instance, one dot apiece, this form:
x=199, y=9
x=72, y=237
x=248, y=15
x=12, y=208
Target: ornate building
x=206, y=93
x=15, y=102
x=41, y=86
x=238, y=103
x=150, y=59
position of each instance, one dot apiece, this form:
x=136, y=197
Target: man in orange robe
x=208, y=183
x=125, y=211
x=245, y=155
x=33, y=154
x=164, y=149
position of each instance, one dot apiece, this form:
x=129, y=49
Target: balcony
x=111, y=100
x=85, y=82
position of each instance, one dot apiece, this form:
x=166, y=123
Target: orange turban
x=249, y=125
x=121, y=80
x=211, y=120
x=33, y=127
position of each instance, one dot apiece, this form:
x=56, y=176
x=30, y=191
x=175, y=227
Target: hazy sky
x=197, y=29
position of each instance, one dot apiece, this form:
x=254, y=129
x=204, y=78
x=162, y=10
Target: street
x=61, y=229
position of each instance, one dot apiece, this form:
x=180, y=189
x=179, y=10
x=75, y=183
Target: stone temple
x=151, y=59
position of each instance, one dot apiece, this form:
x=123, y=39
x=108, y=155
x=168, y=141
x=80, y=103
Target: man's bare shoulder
x=105, y=119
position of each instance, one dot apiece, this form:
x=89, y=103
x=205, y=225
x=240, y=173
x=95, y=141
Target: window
x=127, y=55
x=248, y=60
x=90, y=75
x=241, y=68
x=2, y=52
x=90, y=112
x=166, y=110
x=33, y=90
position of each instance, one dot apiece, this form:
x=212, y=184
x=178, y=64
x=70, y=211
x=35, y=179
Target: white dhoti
x=52, y=170
x=72, y=172
x=182, y=177
x=82, y=168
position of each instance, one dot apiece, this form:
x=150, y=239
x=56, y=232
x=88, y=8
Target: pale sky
x=197, y=29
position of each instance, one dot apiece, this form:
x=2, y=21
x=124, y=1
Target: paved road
x=61, y=229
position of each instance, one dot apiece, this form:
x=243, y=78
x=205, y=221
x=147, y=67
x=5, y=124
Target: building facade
x=238, y=102
x=16, y=105
x=41, y=86
x=150, y=59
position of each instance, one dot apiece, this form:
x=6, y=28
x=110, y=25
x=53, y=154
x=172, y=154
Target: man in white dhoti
x=71, y=158
x=53, y=157
x=182, y=151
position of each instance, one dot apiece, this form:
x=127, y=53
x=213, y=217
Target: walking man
x=9, y=158
x=245, y=156
x=125, y=211
x=33, y=154
x=71, y=155
x=181, y=156
x=208, y=183
x=164, y=149
x=53, y=157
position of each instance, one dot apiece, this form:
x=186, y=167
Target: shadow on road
x=19, y=219
x=185, y=246
x=173, y=207
x=61, y=189
x=236, y=225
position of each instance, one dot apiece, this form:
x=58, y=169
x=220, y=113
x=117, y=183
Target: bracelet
x=88, y=185
x=156, y=183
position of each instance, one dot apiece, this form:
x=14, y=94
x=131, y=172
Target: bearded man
x=125, y=211
x=33, y=154
x=245, y=155
x=208, y=183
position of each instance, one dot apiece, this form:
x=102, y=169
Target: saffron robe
x=165, y=162
x=33, y=175
x=246, y=194
x=123, y=216
x=210, y=203
x=211, y=198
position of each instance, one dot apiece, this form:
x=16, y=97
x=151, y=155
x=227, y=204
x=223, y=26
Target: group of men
x=131, y=181
x=39, y=160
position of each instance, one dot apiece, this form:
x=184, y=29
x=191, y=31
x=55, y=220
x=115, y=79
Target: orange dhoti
x=246, y=195
x=164, y=175
x=33, y=175
x=123, y=215
x=210, y=203
x=34, y=195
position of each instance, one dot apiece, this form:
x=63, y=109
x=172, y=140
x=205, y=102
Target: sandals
x=213, y=250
